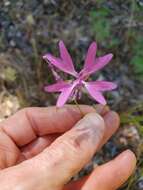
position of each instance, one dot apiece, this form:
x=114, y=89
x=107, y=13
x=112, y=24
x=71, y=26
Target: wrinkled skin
x=42, y=148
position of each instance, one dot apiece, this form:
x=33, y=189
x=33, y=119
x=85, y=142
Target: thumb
x=70, y=152
x=55, y=166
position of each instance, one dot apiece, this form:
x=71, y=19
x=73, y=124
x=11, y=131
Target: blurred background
x=30, y=28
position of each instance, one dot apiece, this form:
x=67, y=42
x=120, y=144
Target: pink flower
x=91, y=65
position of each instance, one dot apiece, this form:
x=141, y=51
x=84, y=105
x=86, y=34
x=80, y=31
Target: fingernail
x=91, y=128
x=127, y=155
x=112, y=118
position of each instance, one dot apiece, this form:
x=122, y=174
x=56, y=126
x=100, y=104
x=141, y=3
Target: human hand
x=42, y=148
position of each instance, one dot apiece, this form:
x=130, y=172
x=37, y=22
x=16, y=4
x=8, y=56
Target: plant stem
x=94, y=106
x=81, y=112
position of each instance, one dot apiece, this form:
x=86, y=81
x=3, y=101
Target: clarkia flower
x=92, y=64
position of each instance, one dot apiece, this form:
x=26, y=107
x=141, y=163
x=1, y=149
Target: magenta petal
x=100, y=62
x=95, y=94
x=64, y=63
x=65, y=94
x=66, y=58
x=57, y=62
x=90, y=57
x=102, y=85
x=57, y=87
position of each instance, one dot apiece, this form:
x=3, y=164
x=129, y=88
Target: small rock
x=123, y=141
x=6, y=3
x=30, y=19
x=131, y=132
x=128, y=135
x=140, y=2
x=140, y=184
x=12, y=43
x=9, y=104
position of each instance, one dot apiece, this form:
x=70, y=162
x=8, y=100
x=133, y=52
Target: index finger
x=24, y=126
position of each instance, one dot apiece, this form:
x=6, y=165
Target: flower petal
x=66, y=58
x=57, y=62
x=64, y=63
x=95, y=94
x=99, y=63
x=102, y=85
x=65, y=94
x=57, y=87
x=90, y=57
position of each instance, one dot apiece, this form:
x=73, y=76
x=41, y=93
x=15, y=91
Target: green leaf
x=138, y=62
x=137, y=59
x=100, y=24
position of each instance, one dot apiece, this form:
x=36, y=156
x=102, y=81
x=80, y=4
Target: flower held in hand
x=72, y=88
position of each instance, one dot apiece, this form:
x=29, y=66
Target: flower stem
x=81, y=112
x=94, y=107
